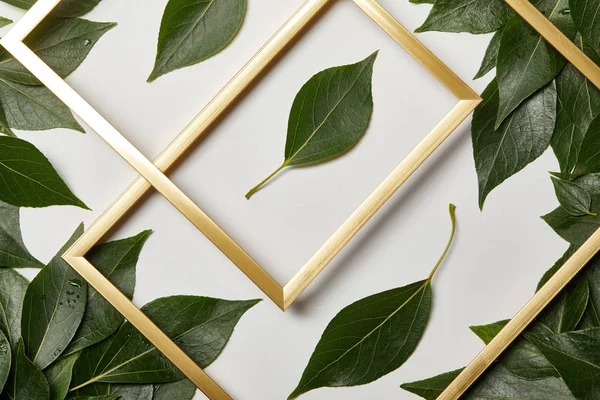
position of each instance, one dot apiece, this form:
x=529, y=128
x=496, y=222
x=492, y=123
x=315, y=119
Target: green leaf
x=53, y=308
x=329, y=115
x=59, y=375
x=572, y=197
x=26, y=381
x=62, y=43
x=201, y=326
x=116, y=261
x=432, y=388
x=125, y=392
x=13, y=252
x=491, y=55
x=591, y=317
x=104, y=397
x=66, y=8
x=578, y=105
x=584, y=14
x=28, y=178
x=521, y=139
x=5, y=359
x=4, y=127
x=575, y=356
x=489, y=331
x=371, y=337
x=589, y=160
x=182, y=390
x=34, y=108
x=521, y=358
x=473, y=16
x=12, y=293
x=526, y=62
x=497, y=384
x=5, y=21
x=576, y=230
x=566, y=310
x=192, y=31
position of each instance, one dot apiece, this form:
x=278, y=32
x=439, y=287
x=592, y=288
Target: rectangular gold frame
x=576, y=263
x=152, y=174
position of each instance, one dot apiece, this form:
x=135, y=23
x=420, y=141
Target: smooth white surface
x=498, y=256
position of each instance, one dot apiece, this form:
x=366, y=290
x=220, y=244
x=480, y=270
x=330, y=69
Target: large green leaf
x=371, y=337
x=368, y=339
x=58, y=375
x=12, y=293
x=53, y=308
x=26, y=381
x=591, y=318
x=521, y=139
x=575, y=356
x=34, y=108
x=329, y=115
x=201, y=326
x=572, y=197
x=192, y=31
x=496, y=384
x=585, y=15
x=491, y=55
x=578, y=105
x=526, y=62
x=115, y=260
x=576, y=230
x=62, y=43
x=13, y=252
x=473, y=16
x=28, y=179
x=5, y=359
x=182, y=390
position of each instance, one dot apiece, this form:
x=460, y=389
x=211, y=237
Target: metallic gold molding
x=152, y=174
x=576, y=263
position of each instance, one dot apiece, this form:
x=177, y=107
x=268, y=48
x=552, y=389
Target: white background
x=498, y=256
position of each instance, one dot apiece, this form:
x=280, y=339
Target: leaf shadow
x=414, y=188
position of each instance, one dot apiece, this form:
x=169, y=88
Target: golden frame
x=152, y=174
x=575, y=264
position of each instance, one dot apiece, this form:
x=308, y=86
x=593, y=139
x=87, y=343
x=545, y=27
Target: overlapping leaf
x=53, y=309
x=116, y=261
x=182, y=390
x=5, y=359
x=201, y=326
x=59, y=375
x=575, y=356
x=578, y=105
x=13, y=252
x=491, y=55
x=12, y=292
x=28, y=179
x=26, y=381
x=473, y=16
x=526, y=62
x=66, y=8
x=585, y=15
x=63, y=44
x=572, y=197
x=576, y=230
x=498, y=384
x=192, y=31
x=521, y=139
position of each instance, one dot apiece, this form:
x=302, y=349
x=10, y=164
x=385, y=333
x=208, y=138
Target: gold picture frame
x=152, y=174
x=575, y=264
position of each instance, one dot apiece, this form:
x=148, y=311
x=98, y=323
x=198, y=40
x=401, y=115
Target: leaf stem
x=452, y=210
x=261, y=184
x=591, y=213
